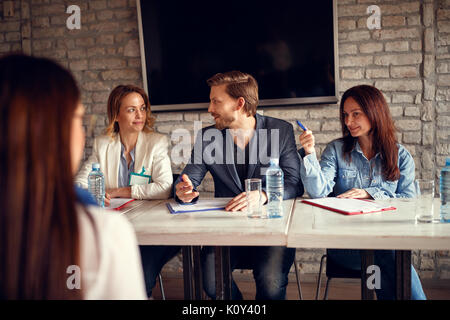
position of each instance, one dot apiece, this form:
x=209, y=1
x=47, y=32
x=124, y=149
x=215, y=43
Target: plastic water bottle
x=96, y=184
x=274, y=189
x=444, y=188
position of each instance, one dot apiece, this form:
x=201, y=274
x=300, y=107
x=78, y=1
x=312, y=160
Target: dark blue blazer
x=226, y=179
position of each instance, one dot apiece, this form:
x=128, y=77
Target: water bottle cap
x=96, y=165
x=447, y=162
x=274, y=161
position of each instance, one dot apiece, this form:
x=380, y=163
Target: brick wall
x=408, y=59
x=441, y=67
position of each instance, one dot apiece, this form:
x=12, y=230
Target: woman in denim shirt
x=366, y=163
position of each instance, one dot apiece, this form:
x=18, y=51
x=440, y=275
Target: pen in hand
x=301, y=126
x=306, y=139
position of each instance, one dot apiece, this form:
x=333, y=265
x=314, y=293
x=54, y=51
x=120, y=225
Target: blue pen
x=301, y=126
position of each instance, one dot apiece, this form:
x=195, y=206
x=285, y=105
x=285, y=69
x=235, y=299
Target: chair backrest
x=175, y=177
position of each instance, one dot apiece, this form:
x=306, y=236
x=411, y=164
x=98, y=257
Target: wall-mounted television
x=290, y=47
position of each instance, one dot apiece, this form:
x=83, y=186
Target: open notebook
x=348, y=206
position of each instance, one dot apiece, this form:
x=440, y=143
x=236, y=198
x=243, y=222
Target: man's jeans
x=153, y=259
x=385, y=259
x=270, y=266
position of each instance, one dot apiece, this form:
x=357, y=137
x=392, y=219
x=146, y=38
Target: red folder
x=348, y=206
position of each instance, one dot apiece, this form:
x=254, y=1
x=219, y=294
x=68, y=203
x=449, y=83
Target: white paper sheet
x=117, y=202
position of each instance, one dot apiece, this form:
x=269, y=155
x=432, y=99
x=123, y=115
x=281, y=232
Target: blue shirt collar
x=358, y=149
x=122, y=151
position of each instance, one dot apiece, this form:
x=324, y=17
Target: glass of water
x=253, y=191
x=425, y=193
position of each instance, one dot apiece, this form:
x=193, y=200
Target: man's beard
x=224, y=122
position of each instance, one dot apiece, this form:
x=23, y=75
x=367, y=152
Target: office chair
x=161, y=287
x=334, y=270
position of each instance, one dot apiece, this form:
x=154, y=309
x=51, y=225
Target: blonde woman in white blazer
x=129, y=137
x=129, y=144
x=151, y=153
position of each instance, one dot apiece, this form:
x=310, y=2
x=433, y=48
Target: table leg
x=366, y=260
x=403, y=274
x=223, y=273
x=198, y=287
x=187, y=272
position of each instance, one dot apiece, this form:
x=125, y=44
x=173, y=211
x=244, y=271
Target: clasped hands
x=185, y=192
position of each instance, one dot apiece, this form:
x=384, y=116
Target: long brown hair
x=384, y=140
x=114, y=101
x=38, y=220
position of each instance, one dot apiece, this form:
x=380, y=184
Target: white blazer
x=151, y=153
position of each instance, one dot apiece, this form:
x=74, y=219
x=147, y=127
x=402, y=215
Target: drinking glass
x=253, y=191
x=425, y=192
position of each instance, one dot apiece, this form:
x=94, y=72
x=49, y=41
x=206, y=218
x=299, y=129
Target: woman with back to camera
x=366, y=163
x=128, y=146
x=47, y=233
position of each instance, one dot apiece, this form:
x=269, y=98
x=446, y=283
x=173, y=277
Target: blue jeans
x=270, y=266
x=385, y=259
x=153, y=259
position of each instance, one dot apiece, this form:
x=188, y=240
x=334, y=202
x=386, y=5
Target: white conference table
x=303, y=226
x=314, y=227
x=155, y=225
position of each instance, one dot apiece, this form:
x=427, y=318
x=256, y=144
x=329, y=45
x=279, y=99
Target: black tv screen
x=288, y=46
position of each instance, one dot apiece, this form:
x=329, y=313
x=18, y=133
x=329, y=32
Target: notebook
x=348, y=206
x=201, y=205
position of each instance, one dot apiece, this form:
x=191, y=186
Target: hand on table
x=107, y=199
x=185, y=189
x=239, y=203
x=110, y=194
x=355, y=194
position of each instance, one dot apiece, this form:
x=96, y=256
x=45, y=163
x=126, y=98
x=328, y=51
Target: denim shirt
x=124, y=170
x=334, y=174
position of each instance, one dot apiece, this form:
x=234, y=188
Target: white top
x=110, y=261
